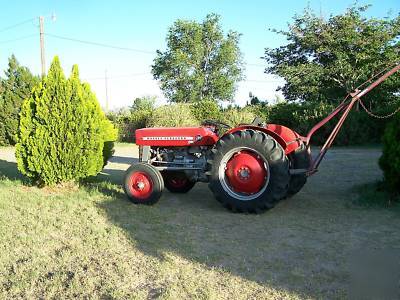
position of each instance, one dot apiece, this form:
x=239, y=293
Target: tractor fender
x=289, y=139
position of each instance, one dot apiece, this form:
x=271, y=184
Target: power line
x=18, y=39
x=87, y=42
x=118, y=47
x=99, y=44
x=16, y=25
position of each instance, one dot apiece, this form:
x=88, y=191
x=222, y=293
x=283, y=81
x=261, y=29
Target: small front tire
x=143, y=184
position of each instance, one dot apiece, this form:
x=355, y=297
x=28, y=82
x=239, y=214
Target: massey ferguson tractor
x=248, y=168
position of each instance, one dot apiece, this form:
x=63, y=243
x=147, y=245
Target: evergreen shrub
x=62, y=130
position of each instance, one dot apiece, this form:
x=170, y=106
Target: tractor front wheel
x=143, y=184
x=249, y=171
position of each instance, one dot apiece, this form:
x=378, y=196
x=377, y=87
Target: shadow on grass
x=196, y=228
x=10, y=171
x=375, y=195
x=109, y=181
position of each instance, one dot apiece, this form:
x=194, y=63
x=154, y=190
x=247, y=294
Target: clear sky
x=143, y=25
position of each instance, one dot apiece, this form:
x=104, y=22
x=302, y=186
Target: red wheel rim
x=178, y=182
x=140, y=185
x=246, y=173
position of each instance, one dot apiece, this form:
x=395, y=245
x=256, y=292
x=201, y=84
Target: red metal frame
x=345, y=108
x=286, y=137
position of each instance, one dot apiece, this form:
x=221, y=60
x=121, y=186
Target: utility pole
x=42, y=58
x=106, y=83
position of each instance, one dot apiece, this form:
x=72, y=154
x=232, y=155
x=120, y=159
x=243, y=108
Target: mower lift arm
x=345, y=108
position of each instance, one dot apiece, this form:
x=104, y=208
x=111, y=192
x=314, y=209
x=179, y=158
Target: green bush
x=139, y=118
x=390, y=159
x=61, y=133
x=110, y=135
x=14, y=89
x=206, y=110
x=173, y=115
x=236, y=116
x=128, y=121
x=259, y=110
x=358, y=128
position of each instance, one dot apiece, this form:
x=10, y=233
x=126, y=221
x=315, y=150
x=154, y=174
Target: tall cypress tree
x=61, y=136
x=14, y=89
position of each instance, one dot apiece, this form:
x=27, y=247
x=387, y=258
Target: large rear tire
x=143, y=184
x=299, y=159
x=249, y=171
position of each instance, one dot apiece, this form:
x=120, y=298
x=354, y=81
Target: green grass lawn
x=92, y=242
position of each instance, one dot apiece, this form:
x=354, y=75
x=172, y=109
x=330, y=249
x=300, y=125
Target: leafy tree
x=206, y=110
x=326, y=59
x=14, y=89
x=200, y=62
x=62, y=130
x=144, y=103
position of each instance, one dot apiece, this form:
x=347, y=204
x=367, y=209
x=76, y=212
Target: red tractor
x=249, y=168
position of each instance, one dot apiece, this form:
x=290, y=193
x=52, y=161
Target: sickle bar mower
x=249, y=168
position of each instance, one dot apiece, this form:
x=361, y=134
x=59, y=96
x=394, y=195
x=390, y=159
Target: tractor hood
x=176, y=137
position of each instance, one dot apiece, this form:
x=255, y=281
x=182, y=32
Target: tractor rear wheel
x=143, y=184
x=249, y=171
x=177, y=182
x=300, y=159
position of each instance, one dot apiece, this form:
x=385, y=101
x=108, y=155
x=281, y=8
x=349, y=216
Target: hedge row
x=358, y=129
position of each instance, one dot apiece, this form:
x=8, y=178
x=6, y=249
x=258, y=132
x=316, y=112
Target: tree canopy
x=325, y=59
x=144, y=103
x=200, y=62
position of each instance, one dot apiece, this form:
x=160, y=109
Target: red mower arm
x=345, y=108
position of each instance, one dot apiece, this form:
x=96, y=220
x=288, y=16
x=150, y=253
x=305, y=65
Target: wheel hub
x=141, y=185
x=246, y=172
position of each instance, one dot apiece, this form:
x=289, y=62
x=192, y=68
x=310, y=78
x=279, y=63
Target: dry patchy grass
x=94, y=243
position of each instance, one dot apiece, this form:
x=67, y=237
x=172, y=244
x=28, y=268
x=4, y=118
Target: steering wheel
x=215, y=123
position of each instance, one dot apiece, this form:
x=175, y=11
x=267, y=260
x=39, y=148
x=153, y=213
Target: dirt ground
x=301, y=248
